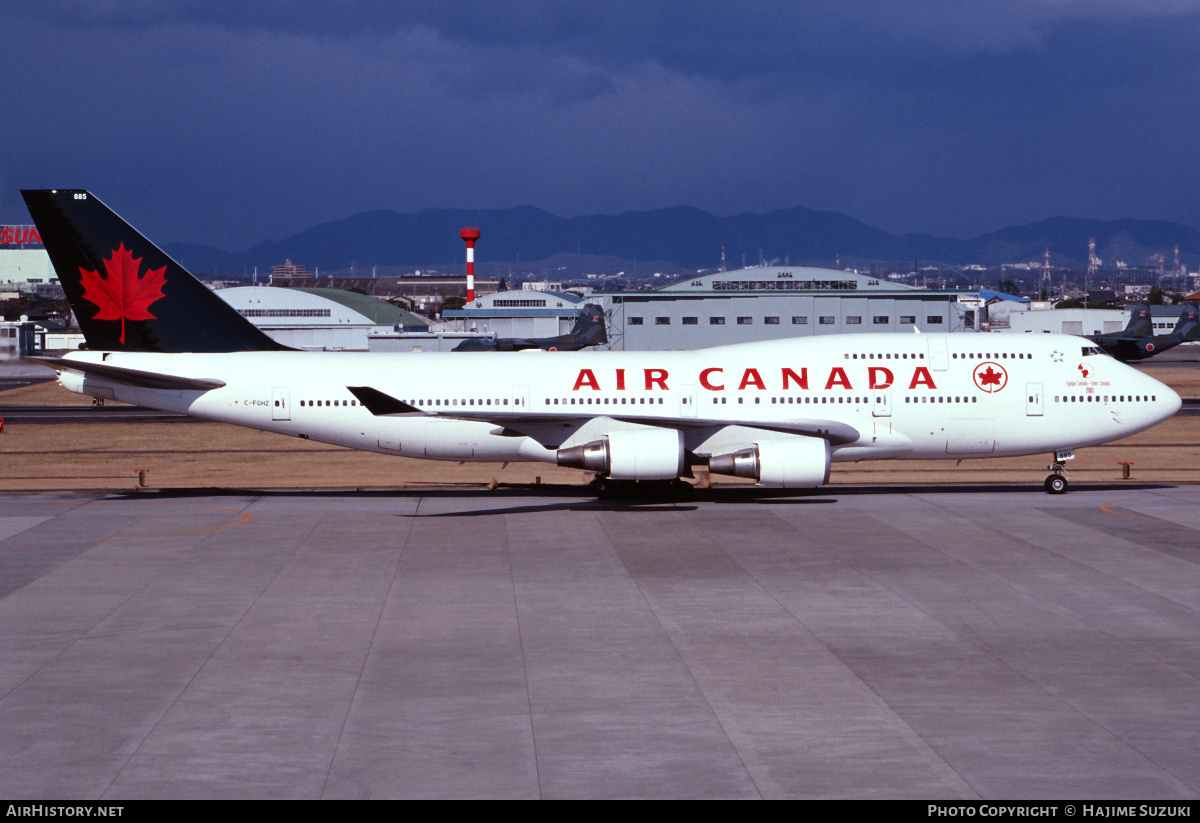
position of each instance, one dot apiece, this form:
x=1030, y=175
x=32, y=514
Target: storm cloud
x=227, y=123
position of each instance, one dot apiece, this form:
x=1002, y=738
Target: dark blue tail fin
x=127, y=294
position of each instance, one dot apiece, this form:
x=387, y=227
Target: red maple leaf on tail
x=122, y=295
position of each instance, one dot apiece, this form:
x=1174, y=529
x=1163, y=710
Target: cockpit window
x=1088, y=351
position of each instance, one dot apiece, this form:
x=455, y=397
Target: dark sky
x=231, y=122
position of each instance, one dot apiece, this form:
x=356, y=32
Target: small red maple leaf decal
x=1082, y=370
x=989, y=377
x=121, y=294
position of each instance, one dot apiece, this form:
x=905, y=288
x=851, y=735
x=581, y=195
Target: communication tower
x=1046, y=273
x=470, y=234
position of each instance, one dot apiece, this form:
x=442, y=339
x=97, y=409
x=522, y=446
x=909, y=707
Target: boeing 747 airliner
x=778, y=412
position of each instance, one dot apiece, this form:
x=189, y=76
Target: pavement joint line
x=233, y=628
x=512, y=579
x=383, y=604
x=666, y=633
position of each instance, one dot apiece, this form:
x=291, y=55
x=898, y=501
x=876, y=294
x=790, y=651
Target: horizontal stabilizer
x=130, y=377
x=378, y=403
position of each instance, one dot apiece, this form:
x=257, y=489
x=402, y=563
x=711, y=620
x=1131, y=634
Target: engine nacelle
x=795, y=462
x=642, y=454
x=86, y=384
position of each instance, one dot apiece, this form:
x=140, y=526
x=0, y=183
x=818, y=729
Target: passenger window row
x=991, y=356
x=797, y=320
x=457, y=402
x=883, y=356
x=1104, y=398
x=803, y=400
x=604, y=401
x=940, y=399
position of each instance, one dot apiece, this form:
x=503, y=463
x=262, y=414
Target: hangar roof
x=272, y=306
x=784, y=278
x=524, y=303
x=380, y=312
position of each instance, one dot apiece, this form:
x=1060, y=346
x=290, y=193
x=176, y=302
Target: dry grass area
x=1185, y=381
x=215, y=455
x=203, y=455
x=47, y=394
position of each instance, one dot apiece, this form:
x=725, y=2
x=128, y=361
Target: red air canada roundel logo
x=121, y=294
x=990, y=377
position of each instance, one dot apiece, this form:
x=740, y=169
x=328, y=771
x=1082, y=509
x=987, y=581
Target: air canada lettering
x=713, y=379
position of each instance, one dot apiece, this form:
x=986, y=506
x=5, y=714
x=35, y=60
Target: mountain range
x=687, y=237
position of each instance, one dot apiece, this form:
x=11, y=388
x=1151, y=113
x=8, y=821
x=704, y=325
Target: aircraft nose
x=1169, y=401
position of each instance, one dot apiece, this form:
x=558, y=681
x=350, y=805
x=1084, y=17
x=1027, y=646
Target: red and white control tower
x=469, y=235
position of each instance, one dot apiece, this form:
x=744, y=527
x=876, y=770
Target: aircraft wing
x=551, y=430
x=130, y=377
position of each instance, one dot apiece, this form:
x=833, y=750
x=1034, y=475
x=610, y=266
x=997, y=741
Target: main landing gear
x=668, y=490
x=1057, y=482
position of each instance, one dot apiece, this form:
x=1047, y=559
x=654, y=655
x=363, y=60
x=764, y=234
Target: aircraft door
x=688, y=402
x=881, y=403
x=281, y=404
x=937, y=353
x=1033, y=399
x=521, y=398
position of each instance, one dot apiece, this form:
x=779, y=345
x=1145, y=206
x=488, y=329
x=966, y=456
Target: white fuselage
x=900, y=395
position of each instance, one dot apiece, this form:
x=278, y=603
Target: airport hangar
x=319, y=318
x=763, y=303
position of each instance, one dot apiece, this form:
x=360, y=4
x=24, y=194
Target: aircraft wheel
x=1056, y=484
x=682, y=490
x=604, y=488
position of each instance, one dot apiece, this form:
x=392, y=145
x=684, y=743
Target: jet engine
x=642, y=454
x=795, y=462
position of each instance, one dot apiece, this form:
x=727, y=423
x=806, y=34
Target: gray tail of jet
x=128, y=294
x=1140, y=323
x=590, y=328
x=1188, y=327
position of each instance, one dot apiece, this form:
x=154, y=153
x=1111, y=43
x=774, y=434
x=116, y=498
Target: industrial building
x=24, y=265
x=20, y=338
x=775, y=302
x=522, y=313
x=1086, y=321
x=424, y=293
x=763, y=303
x=321, y=319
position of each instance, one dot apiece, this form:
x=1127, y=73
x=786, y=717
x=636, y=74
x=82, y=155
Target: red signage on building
x=19, y=236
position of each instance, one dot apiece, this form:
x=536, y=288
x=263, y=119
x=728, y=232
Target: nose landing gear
x=1057, y=482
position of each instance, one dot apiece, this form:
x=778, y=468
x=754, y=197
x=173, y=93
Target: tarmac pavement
x=858, y=642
